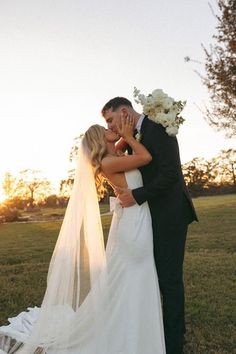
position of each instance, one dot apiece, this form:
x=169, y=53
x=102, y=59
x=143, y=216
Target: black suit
x=172, y=210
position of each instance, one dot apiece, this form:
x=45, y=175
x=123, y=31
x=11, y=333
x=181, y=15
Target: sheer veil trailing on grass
x=77, y=267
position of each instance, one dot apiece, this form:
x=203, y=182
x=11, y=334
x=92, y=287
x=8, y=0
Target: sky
x=62, y=60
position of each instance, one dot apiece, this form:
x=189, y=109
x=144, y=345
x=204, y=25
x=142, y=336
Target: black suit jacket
x=164, y=186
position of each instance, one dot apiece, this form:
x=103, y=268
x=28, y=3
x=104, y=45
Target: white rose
x=171, y=117
x=172, y=130
x=174, y=110
x=151, y=100
x=161, y=118
x=167, y=102
x=157, y=92
x=158, y=109
x=159, y=102
x=150, y=112
x=142, y=99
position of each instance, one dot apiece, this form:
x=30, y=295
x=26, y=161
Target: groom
x=171, y=210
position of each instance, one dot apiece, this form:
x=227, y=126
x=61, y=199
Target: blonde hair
x=95, y=145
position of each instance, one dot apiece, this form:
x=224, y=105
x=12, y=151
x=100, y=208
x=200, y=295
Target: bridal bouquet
x=162, y=109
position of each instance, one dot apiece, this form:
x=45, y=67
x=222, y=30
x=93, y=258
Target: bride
x=97, y=301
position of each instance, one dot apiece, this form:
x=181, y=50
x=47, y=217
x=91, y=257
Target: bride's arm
x=121, y=145
x=140, y=157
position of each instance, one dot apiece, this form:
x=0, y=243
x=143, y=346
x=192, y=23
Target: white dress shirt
x=139, y=122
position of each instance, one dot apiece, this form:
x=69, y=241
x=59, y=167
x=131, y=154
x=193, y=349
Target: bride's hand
x=125, y=129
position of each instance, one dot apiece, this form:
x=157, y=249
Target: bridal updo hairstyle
x=95, y=145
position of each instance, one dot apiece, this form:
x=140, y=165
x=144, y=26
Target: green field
x=210, y=269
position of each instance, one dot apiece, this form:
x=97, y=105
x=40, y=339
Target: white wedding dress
x=133, y=319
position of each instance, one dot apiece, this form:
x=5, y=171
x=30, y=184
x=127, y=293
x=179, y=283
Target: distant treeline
x=28, y=190
x=216, y=176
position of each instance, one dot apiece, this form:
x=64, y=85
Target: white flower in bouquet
x=172, y=130
x=162, y=109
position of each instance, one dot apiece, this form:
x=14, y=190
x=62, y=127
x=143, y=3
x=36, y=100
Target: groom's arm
x=166, y=154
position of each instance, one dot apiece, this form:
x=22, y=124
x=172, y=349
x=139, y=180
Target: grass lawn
x=46, y=213
x=210, y=269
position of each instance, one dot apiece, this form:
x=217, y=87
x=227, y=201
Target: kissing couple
x=127, y=297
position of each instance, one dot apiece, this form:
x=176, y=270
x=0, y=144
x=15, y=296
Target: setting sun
x=2, y=196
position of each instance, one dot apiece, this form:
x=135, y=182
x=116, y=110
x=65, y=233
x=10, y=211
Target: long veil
x=77, y=277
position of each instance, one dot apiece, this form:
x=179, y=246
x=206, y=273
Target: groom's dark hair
x=115, y=103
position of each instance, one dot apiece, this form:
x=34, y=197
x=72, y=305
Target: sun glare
x=2, y=196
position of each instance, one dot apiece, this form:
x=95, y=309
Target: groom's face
x=113, y=118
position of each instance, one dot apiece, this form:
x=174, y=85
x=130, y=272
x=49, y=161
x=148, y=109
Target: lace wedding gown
x=133, y=318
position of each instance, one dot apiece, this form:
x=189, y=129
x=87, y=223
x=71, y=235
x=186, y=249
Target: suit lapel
x=144, y=126
x=142, y=131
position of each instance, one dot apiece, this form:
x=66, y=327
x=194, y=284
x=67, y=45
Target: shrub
x=9, y=214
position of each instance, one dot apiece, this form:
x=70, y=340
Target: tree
x=196, y=174
x=51, y=201
x=9, y=185
x=66, y=187
x=31, y=185
x=18, y=202
x=212, y=177
x=225, y=164
x=220, y=66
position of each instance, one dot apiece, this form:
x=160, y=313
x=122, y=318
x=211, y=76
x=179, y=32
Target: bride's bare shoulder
x=107, y=161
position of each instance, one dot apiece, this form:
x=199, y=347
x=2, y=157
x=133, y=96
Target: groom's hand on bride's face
x=125, y=197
